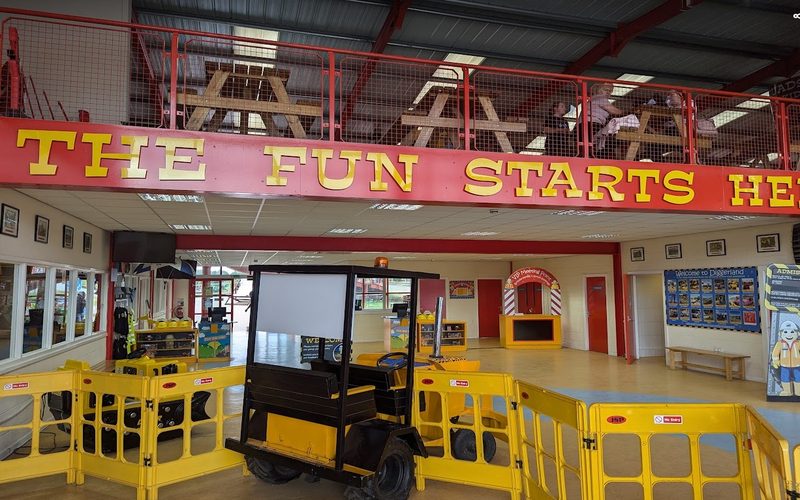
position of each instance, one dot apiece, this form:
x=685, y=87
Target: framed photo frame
x=87, y=243
x=768, y=243
x=9, y=220
x=68, y=237
x=637, y=254
x=715, y=248
x=673, y=251
x=42, y=232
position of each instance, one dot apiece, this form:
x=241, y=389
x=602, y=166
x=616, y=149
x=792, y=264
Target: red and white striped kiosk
x=530, y=331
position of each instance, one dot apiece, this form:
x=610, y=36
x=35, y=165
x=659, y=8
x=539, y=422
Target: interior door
x=596, y=312
x=490, y=306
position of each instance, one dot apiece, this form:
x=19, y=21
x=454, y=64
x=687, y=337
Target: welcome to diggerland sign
x=95, y=156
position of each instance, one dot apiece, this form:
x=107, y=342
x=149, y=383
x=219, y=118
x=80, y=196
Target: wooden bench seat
x=308, y=395
x=729, y=361
x=389, y=400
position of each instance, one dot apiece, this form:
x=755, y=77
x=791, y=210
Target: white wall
x=741, y=252
x=369, y=325
x=83, y=68
x=649, y=314
x=571, y=273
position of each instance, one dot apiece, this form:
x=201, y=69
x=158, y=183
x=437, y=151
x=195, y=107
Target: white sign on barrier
x=667, y=419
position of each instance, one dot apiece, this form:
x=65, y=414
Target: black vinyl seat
x=388, y=400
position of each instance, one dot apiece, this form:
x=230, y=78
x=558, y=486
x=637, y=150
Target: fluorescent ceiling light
x=755, y=103
x=598, y=236
x=448, y=73
x=732, y=217
x=479, y=233
x=726, y=117
x=347, y=230
x=537, y=143
x=577, y=212
x=178, y=198
x=633, y=77
x=309, y=256
x=395, y=206
x=190, y=227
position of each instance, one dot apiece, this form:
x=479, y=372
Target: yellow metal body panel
x=307, y=439
x=507, y=332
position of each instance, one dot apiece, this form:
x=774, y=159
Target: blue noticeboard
x=725, y=298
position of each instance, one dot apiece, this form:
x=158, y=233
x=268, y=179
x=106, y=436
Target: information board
x=782, y=291
x=309, y=349
x=725, y=298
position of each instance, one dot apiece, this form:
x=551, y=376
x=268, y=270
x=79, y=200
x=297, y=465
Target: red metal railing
x=126, y=73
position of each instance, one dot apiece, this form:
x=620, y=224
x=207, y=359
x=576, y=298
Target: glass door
x=212, y=293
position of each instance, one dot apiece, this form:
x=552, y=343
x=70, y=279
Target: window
x=382, y=293
x=97, y=301
x=33, y=331
x=81, y=303
x=62, y=306
x=6, y=308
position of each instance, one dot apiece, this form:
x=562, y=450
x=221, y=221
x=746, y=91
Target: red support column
x=619, y=305
x=173, y=81
x=467, y=97
x=690, y=143
x=331, y=97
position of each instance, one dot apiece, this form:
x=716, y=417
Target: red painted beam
x=615, y=41
x=785, y=67
x=282, y=243
x=392, y=23
x=619, y=305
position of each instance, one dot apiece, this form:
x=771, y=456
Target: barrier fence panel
x=648, y=451
x=793, y=118
x=555, y=463
x=114, y=418
x=188, y=436
x=23, y=399
x=770, y=457
x=450, y=410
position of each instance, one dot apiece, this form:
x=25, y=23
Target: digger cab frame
x=262, y=376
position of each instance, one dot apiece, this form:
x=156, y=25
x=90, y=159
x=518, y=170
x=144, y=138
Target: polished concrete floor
x=589, y=376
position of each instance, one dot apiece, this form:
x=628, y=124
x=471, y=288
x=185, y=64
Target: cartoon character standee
x=786, y=358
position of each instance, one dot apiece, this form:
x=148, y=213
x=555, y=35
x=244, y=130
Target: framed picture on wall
x=715, y=248
x=9, y=221
x=637, y=254
x=768, y=243
x=673, y=251
x=42, y=232
x=68, y=236
x=87, y=243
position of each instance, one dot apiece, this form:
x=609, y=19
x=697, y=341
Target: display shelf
x=170, y=343
x=454, y=336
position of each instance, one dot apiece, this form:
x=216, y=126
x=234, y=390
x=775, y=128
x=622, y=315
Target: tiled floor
x=589, y=376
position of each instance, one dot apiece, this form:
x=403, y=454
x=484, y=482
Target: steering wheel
x=137, y=353
x=402, y=363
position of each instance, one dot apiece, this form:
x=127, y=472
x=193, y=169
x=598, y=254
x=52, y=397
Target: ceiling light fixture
x=479, y=233
x=598, y=236
x=577, y=212
x=395, y=206
x=732, y=217
x=347, y=230
x=178, y=198
x=190, y=227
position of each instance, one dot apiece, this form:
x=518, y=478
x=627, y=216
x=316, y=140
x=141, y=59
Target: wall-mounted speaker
x=796, y=243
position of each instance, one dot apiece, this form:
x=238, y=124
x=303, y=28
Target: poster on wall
x=782, y=292
x=725, y=298
x=462, y=289
x=782, y=298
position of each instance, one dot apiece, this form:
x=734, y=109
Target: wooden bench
x=727, y=358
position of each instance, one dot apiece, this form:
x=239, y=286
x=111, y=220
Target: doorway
x=490, y=306
x=212, y=293
x=597, y=313
x=647, y=308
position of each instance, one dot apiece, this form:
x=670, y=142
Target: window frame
x=362, y=295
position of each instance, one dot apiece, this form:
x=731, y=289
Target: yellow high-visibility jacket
x=786, y=354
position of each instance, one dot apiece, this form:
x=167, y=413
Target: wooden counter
x=530, y=331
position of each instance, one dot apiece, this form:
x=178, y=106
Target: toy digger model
x=339, y=421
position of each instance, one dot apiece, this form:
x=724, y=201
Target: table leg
x=213, y=89
x=742, y=368
x=728, y=371
x=283, y=97
x=684, y=357
x=671, y=359
x=491, y=114
x=435, y=112
x=633, y=147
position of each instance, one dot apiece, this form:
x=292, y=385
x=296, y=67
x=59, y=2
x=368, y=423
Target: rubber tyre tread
x=463, y=444
x=395, y=449
x=270, y=473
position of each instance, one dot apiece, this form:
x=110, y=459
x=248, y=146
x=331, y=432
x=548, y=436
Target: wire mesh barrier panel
x=401, y=103
x=742, y=132
x=79, y=72
x=793, y=135
x=250, y=88
x=770, y=458
x=523, y=114
x=553, y=444
x=465, y=421
x=41, y=440
x=692, y=451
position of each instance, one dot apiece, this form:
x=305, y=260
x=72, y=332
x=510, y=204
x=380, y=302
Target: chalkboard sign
x=783, y=288
x=309, y=349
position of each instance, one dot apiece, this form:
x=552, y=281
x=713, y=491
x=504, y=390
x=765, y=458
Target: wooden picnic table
x=247, y=89
x=635, y=137
x=429, y=118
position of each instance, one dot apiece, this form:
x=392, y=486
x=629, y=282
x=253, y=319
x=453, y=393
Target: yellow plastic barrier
x=484, y=405
x=770, y=457
x=659, y=434
x=555, y=463
x=35, y=387
x=202, y=450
